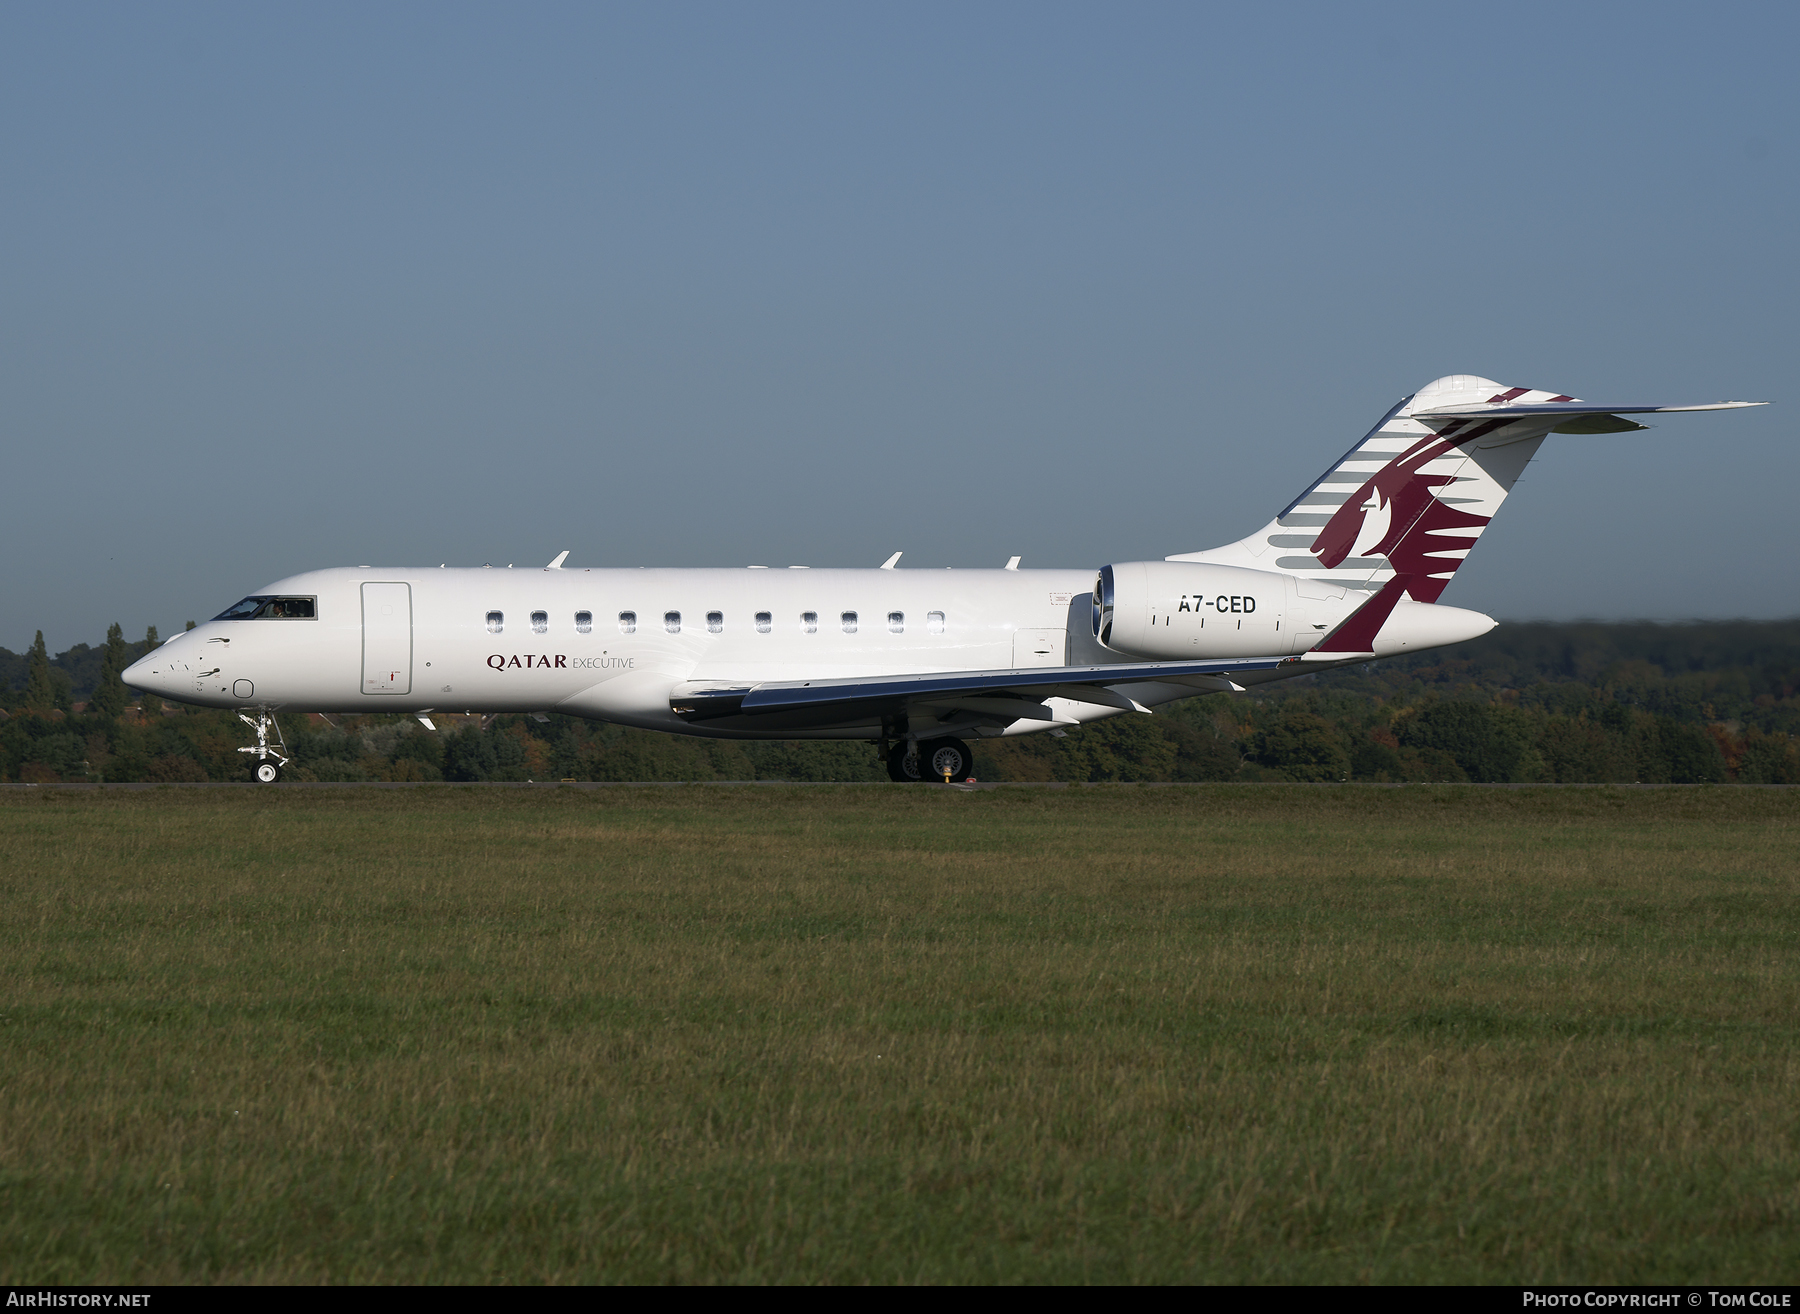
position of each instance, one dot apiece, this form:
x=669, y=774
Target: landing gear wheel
x=945, y=757
x=266, y=759
x=903, y=762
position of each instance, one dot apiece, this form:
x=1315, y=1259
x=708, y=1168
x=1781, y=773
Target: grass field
x=1121, y=1034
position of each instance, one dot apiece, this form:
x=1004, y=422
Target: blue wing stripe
x=780, y=697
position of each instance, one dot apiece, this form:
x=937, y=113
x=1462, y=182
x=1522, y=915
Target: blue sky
x=287, y=287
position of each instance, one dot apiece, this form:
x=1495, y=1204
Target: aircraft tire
x=265, y=773
x=936, y=756
x=903, y=763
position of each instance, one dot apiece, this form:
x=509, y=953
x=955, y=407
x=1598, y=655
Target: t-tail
x=1402, y=509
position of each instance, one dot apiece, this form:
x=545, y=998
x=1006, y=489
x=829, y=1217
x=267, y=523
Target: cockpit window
x=265, y=607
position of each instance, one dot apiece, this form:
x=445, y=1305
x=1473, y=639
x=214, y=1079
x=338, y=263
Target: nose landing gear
x=266, y=770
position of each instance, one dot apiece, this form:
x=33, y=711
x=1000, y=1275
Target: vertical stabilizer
x=1411, y=498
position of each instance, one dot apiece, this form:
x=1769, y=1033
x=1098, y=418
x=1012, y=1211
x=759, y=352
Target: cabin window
x=896, y=622
x=764, y=622
x=672, y=622
x=540, y=621
x=715, y=622
x=849, y=619
x=628, y=622
x=496, y=622
x=934, y=622
x=809, y=622
x=584, y=622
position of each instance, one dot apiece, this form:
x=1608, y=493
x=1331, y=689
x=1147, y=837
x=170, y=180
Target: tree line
x=1567, y=703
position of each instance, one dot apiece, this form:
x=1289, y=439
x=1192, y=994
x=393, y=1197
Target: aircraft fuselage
x=612, y=643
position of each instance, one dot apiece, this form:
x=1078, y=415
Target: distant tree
x=110, y=695
x=422, y=746
x=1488, y=743
x=469, y=756
x=1769, y=760
x=1431, y=764
x=1580, y=750
x=175, y=767
x=1372, y=759
x=1201, y=753
x=1688, y=755
x=40, y=693
x=151, y=704
x=1302, y=745
x=1116, y=748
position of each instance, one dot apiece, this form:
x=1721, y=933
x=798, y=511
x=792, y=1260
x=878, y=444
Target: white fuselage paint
x=992, y=618
x=418, y=640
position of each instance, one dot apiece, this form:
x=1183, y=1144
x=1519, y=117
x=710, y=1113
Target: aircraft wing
x=1010, y=695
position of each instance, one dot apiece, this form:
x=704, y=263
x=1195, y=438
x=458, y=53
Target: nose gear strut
x=265, y=770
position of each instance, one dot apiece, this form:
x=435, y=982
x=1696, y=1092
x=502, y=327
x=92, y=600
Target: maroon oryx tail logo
x=1413, y=510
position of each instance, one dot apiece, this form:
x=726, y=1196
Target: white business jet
x=918, y=661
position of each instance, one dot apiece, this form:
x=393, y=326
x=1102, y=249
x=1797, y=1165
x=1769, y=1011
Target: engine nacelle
x=1175, y=610
x=1185, y=610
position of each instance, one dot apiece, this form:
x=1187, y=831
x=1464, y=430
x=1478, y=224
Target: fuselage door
x=1038, y=648
x=387, y=638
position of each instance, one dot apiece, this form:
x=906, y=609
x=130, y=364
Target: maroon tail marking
x=1357, y=634
x=1409, y=556
x=1339, y=534
x=1415, y=510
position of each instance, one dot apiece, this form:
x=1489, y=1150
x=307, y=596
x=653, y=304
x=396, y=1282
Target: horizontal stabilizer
x=1569, y=408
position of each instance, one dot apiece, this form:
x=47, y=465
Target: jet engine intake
x=1170, y=610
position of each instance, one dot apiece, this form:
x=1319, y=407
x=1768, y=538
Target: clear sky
x=711, y=284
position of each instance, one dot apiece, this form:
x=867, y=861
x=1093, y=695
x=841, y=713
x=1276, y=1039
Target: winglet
x=891, y=561
x=557, y=564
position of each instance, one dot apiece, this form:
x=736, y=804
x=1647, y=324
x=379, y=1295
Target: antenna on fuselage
x=557, y=564
x=889, y=563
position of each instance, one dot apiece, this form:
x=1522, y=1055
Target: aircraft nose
x=144, y=673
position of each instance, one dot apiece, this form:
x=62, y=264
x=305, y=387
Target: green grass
x=1214, y=1033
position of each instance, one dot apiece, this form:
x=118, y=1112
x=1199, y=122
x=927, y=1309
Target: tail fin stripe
x=1401, y=484
x=1398, y=407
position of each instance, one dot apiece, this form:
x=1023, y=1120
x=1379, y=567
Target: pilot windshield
x=268, y=608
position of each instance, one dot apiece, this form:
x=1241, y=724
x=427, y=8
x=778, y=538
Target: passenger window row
x=715, y=622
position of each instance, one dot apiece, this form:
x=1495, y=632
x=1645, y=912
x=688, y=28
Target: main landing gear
x=934, y=759
x=270, y=758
